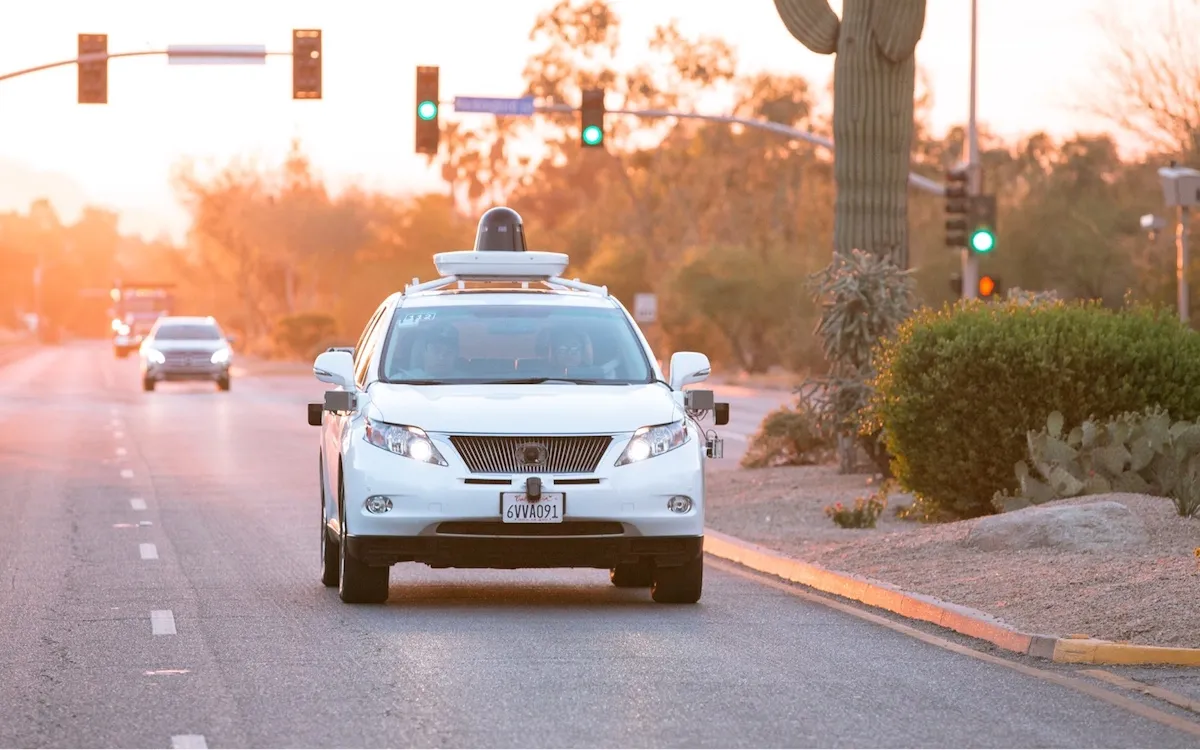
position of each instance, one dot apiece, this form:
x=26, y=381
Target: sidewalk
x=1143, y=594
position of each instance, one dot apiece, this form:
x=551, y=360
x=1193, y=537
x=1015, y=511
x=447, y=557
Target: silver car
x=186, y=348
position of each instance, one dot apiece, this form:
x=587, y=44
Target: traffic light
x=93, y=76
x=957, y=207
x=591, y=118
x=306, y=63
x=428, y=130
x=983, y=224
x=989, y=286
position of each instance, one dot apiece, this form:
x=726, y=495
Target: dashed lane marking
x=162, y=622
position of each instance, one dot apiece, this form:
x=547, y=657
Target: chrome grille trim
x=565, y=454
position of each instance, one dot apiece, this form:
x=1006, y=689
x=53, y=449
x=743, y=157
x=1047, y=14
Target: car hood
x=542, y=409
x=201, y=345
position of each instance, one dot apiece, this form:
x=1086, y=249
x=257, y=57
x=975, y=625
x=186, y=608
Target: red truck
x=135, y=308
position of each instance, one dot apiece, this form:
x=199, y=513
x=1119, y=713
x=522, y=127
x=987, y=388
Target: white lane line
x=114, y=411
x=162, y=622
x=127, y=473
x=735, y=436
x=149, y=551
x=137, y=503
x=118, y=435
x=121, y=451
x=190, y=741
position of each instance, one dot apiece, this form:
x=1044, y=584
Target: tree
x=1152, y=77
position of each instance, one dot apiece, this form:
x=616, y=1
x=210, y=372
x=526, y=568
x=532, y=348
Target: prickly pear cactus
x=874, y=75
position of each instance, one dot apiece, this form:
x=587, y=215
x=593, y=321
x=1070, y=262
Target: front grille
x=187, y=359
x=511, y=454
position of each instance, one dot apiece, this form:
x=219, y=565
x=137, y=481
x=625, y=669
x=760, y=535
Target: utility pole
x=970, y=261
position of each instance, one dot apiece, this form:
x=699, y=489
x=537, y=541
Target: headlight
x=122, y=329
x=220, y=356
x=155, y=356
x=649, y=442
x=405, y=441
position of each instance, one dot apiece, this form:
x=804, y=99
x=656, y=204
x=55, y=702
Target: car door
x=335, y=425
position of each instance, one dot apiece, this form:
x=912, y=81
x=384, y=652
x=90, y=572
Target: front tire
x=682, y=584
x=148, y=384
x=224, y=383
x=358, y=583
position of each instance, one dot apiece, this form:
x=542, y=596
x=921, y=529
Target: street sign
x=645, y=308
x=494, y=105
x=217, y=54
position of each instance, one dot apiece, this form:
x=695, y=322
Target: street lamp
x=1181, y=188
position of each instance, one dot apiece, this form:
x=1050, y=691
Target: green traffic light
x=982, y=241
x=427, y=110
x=592, y=135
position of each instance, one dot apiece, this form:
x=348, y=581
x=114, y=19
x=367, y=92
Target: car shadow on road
x=432, y=597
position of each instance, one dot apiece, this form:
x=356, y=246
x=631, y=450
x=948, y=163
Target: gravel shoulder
x=1145, y=594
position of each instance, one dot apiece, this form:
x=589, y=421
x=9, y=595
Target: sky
x=1037, y=62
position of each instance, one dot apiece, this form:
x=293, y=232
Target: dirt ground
x=1147, y=595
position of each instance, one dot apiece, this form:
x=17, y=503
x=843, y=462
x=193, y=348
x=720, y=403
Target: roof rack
x=461, y=266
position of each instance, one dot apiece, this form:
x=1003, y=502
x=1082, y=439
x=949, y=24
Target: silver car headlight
x=410, y=442
x=220, y=356
x=648, y=442
x=155, y=356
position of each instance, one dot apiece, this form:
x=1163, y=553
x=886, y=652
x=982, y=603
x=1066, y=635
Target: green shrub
x=304, y=335
x=1141, y=452
x=959, y=388
x=788, y=437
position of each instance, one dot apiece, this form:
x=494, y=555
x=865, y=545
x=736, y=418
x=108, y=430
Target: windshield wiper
x=535, y=381
x=418, y=382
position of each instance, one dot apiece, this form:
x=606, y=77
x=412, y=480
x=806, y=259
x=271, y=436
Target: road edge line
x=943, y=614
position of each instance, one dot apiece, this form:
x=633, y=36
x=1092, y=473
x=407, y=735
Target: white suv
x=511, y=427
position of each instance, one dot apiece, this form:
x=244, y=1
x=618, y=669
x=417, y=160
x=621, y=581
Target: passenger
x=568, y=350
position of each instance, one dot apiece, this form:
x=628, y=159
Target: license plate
x=515, y=507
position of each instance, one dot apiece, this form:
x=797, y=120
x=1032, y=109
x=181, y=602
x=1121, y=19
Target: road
x=158, y=558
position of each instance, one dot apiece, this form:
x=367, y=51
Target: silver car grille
x=187, y=359
x=531, y=454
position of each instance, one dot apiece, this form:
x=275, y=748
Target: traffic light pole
x=216, y=52
x=914, y=179
x=970, y=260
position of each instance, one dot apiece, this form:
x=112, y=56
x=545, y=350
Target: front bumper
x=179, y=372
x=446, y=516
x=445, y=551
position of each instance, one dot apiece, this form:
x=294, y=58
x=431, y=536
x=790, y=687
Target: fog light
x=378, y=504
x=679, y=504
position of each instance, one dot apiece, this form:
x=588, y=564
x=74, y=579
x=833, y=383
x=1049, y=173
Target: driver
x=440, y=351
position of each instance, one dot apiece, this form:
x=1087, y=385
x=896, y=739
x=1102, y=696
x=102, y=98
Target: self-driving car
x=503, y=416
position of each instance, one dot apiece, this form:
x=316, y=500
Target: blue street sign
x=494, y=105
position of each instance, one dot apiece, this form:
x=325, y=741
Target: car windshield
x=512, y=344
x=187, y=332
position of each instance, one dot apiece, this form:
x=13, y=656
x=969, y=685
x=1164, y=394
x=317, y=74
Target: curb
x=950, y=616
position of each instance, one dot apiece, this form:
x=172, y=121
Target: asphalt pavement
x=159, y=569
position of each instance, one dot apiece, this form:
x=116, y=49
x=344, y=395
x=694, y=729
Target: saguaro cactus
x=874, y=75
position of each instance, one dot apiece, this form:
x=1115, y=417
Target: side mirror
x=335, y=368
x=688, y=368
x=231, y=339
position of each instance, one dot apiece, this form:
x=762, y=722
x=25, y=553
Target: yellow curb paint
x=1095, y=651
x=1075, y=649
